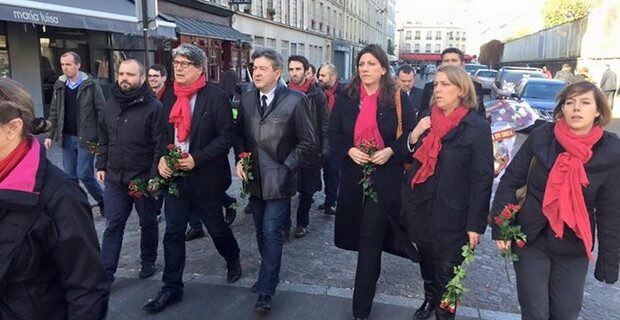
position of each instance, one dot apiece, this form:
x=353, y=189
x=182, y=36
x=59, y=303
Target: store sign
x=36, y=17
x=240, y=2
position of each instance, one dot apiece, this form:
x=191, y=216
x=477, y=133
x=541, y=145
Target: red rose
x=184, y=155
x=244, y=155
x=132, y=184
x=444, y=304
x=506, y=214
x=452, y=309
x=520, y=243
x=170, y=147
x=177, y=167
x=498, y=221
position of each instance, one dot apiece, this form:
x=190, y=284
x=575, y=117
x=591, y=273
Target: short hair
x=453, y=50
x=405, y=68
x=194, y=54
x=312, y=68
x=277, y=62
x=76, y=57
x=331, y=68
x=141, y=70
x=458, y=77
x=301, y=59
x=579, y=88
x=160, y=68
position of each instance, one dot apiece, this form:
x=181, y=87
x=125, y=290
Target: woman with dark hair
x=365, y=114
x=49, y=253
x=446, y=194
x=572, y=171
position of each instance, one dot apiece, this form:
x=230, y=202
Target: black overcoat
x=455, y=199
x=387, y=178
x=602, y=197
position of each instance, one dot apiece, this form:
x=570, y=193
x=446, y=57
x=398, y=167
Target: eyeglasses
x=183, y=64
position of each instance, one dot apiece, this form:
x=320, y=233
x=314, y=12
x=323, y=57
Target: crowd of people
x=370, y=137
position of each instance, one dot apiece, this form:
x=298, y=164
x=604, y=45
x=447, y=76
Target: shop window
x=5, y=66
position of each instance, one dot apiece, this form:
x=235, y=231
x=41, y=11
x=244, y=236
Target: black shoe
x=330, y=210
x=192, y=234
x=359, y=318
x=147, y=270
x=231, y=214
x=233, y=271
x=248, y=209
x=300, y=232
x=254, y=287
x=101, y=210
x=286, y=233
x=263, y=304
x=424, y=311
x=321, y=206
x=161, y=301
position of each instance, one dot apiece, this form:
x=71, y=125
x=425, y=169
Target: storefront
x=103, y=33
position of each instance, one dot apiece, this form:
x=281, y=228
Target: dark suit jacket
x=211, y=137
x=413, y=100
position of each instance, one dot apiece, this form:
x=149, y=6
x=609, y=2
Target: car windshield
x=515, y=77
x=487, y=74
x=546, y=91
x=471, y=68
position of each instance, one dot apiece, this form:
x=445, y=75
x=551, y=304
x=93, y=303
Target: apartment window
x=450, y=36
x=463, y=37
x=284, y=50
x=417, y=35
x=429, y=35
x=293, y=48
x=408, y=36
x=271, y=43
x=428, y=48
x=458, y=35
x=302, y=49
x=437, y=48
x=408, y=47
x=438, y=35
x=259, y=42
x=416, y=47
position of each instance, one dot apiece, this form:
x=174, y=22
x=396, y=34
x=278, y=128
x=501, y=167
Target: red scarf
x=428, y=153
x=366, y=127
x=563, y=201
x=181, y=113
x=331, y=95
x=13, y=159
x=160, y=92
x=304, y=87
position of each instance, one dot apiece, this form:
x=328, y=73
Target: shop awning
x=199, y=28
x=104, y=15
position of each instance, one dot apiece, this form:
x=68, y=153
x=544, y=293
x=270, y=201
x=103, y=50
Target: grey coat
x=608, y=82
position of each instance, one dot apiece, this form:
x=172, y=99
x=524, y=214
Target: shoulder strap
x=399, y=114
x=521, y=193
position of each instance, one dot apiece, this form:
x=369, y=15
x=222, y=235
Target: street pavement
x=317, y=278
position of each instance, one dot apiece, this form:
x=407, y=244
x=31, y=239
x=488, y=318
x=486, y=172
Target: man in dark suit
x=197, y=118
x=453, y=57
x=274, y=125
x=410, y=96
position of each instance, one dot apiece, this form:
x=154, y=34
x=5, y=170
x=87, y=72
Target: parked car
x=540, y=95
x=508, y=77
x=485, y=77
x=472, y=67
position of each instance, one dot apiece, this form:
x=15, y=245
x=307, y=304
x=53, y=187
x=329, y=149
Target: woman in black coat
x=362, y=224
x=446, y=194
x=49, y=254
x=560, y=213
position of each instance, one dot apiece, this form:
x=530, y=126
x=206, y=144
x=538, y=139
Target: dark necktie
x=263, y=107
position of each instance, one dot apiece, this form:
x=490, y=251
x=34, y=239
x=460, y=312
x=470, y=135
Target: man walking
x=129, y=132
x=197, y=118
x=275, y=125
x=410, y=96
x=609, y=84
x=230, y=82
x=75, y=110
x=309, y=177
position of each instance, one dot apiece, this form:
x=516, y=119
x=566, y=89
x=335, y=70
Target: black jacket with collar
x=211, y=137
x=602, y=197
x=320, y=119
x=455, y=199
x=279, y=140
x=412, y=100
x=129, y=134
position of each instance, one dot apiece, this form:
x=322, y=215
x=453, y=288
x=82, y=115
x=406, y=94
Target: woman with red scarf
x=49, y=253
x=446, y=194
x=366, y=114
x=572, y=168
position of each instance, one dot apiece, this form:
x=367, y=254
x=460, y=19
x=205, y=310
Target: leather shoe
x=233, y=271
x=321, y=206
x=101, y=209
x=286, y=233
x=263, y=304
x=161, y=301
x=147, y=270
x=255, y=287
x=231, y=214
x=192, y=234
x=330, y=210
x=300, y=232
x=424, y=311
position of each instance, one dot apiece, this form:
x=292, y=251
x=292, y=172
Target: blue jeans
x=269, y=220
x=78, y=164
x=118, y=205
x=177, y=213
x=331, y=177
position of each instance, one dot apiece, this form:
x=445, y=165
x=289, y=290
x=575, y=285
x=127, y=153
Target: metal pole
x=145, y=33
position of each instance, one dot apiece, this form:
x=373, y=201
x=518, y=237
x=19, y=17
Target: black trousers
x=373, y=229
x=549, y=285
x=436, y=273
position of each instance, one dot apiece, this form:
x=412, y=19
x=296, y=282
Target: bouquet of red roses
x=154, y=186
x=510, y=232
x=92, y=147
x=455, y=288
x=369, y=147
x=246, y=165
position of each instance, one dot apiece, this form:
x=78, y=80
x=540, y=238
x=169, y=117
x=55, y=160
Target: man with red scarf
x=328, y=79
x=197, y=118
x=309, y=177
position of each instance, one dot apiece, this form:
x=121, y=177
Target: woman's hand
x=503, y=244
x=474, y=238
x=360, y=157
x=382, y=156
x=423, y=125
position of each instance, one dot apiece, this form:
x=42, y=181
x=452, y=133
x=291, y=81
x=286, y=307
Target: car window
x=488, y=74
x=541, y=90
